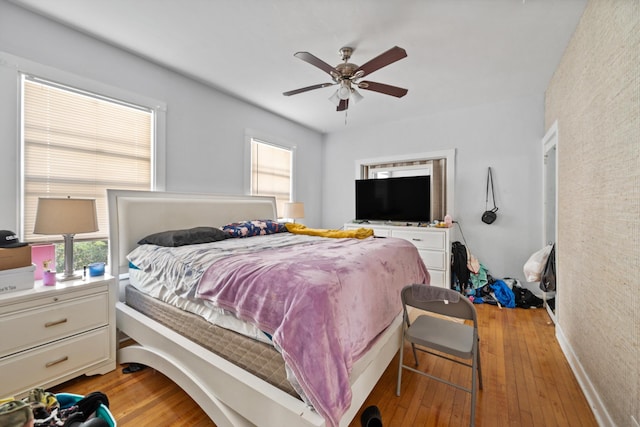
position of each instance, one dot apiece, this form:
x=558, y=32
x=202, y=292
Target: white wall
x=205, y=128
x=505, y=136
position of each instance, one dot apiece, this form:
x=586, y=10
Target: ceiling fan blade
x=305, y=89
x=392, y=55
x=383, y=88
x=314, y=60
x=344, y=104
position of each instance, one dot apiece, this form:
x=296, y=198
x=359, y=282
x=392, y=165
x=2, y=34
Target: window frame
x=251, y=135
x=48, y=172
x=82, y=84
x=450, y=170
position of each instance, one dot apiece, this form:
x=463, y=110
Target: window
x=271, y=172
x=440, y=165
x=78, y=144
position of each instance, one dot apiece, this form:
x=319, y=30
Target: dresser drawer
x=380, y=232
x=46, y=364
x=433, y=245
x=433, y=259
x=423, y=239
x=28, y=328
x=438, y=278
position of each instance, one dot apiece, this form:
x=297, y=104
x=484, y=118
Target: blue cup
x=96, y=269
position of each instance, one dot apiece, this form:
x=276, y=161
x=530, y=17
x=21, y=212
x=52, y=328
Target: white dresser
x=50, y=334
x=433, y=244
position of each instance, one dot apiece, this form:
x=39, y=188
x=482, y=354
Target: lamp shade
x=65, y=216
x=294, y=210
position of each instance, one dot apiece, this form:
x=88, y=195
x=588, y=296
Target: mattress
x=148, y=285
x=258, y=358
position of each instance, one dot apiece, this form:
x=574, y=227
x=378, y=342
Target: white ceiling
x=460, y=52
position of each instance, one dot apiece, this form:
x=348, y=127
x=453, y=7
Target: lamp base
x=63, y=277
x=69, y=273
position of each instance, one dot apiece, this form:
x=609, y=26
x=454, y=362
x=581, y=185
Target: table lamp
x=67, y=217
x=294, y=210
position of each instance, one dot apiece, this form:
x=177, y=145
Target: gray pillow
x=192, y=236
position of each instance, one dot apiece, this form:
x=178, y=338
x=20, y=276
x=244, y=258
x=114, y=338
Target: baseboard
x=599, y=410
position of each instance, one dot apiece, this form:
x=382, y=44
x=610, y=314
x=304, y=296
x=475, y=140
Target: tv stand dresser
x=433, y=243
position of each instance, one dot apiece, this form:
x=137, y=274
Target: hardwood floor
x=527, y=382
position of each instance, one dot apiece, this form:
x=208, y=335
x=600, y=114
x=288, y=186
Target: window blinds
x=79, y=144
x=271, y=172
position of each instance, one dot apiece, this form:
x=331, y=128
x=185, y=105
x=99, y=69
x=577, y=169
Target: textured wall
x=595, y=96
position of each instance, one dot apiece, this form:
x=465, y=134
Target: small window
x=78, y=144
x=271, y=172
x=435, y=168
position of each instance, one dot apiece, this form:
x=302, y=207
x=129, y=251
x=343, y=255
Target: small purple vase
x=49, y=278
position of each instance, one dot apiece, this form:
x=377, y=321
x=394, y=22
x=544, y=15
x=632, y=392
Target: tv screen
x=394, y=199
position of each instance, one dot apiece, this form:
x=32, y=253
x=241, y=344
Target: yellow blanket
x=360, y=233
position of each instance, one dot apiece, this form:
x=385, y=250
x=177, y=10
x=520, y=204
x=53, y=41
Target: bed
x=230, y=393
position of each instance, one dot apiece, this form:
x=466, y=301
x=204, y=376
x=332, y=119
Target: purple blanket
x=324, y=303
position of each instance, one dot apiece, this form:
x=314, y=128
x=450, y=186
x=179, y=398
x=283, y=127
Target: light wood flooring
x=527, y=382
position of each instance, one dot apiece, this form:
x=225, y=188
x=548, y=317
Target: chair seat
x=442, y=335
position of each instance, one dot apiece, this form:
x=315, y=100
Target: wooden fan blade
x=315, y=61
x=305, y=89
x=383, y=88
x=344, y=104
x=392, y=55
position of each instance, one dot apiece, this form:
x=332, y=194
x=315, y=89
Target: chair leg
x=415, y=355
x=479, y=365
x=400, y=368
x=474, y=376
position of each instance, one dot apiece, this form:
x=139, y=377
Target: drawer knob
x=55, y=362
x=416, y=239
x=54, y=323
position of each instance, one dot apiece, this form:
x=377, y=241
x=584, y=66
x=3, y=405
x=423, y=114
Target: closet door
x=550, y=206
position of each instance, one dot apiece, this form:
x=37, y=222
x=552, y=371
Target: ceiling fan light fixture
x=335, y=100
x=356, y=96
x=344, y=91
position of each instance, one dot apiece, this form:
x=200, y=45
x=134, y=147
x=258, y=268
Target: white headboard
x=136, y=214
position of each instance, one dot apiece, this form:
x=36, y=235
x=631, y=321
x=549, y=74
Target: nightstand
x=51, y=334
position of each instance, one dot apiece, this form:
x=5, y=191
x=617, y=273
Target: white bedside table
x=51, y=334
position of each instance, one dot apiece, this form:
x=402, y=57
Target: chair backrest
x=438, y=300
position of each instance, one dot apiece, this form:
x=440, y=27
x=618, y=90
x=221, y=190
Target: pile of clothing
x=471, y=278
x=43, y=409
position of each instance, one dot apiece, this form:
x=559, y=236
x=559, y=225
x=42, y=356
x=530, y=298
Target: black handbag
x=489, y=215
x=548, y=276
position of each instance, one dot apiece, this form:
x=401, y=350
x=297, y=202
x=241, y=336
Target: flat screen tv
x=394, y=199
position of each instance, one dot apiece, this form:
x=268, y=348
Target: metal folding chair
x=429, y=333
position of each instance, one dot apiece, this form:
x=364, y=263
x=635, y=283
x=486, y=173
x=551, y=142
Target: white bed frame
x=231, y=396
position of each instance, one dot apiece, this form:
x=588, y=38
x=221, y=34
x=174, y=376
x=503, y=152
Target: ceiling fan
x=348, y=76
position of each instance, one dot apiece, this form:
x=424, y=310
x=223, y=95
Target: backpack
x=459, y=264
x=525, y=298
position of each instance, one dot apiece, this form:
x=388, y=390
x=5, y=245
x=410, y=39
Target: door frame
x=549, y=143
